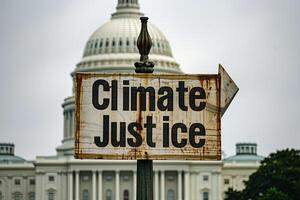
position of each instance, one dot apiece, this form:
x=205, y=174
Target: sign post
x=144, y=167
x=148, y=117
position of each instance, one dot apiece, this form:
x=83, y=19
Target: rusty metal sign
x=148, y=116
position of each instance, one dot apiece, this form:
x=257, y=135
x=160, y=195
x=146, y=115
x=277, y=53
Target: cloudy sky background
x=256, y=41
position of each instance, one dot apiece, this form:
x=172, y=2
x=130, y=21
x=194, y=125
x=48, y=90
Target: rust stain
x=78, y=98
x=212, y=148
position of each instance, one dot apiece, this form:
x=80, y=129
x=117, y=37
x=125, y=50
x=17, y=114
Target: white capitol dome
x=112, y=47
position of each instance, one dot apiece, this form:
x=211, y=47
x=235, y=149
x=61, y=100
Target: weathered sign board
x=149, y=116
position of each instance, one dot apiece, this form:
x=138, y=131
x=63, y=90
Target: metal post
x=144, y=180
x=144, y=167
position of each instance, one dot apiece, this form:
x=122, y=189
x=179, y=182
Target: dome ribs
x=113, y=46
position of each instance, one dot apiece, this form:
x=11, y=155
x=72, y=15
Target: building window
x=1, y=198
x=51, y=178
x=17, y=182
x=17, y=196
x=0, y=182
x=226, y=181
x=171, y=195
x=205, y=178
x=126, y=195
x=85, y=195
x=32, y=181
x=51, y=195
x=126, y=178
x=171, y=178
x=85, y=178
x=108, y=195
x=205, y=196
x=108, y=178
x=31, y=196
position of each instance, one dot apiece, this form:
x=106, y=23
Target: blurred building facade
x=64, y=178
x=112, y=49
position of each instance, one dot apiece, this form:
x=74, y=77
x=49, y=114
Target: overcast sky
x=256, y=41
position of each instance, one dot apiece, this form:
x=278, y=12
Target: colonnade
x=69, y=119
x=183, y=190
x=159, y=185
x=127, y=1
x=96, y=191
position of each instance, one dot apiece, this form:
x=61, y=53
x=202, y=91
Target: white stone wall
x=188, y=180
x=15, y=179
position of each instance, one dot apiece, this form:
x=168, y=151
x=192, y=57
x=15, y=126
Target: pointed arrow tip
x=228, y=89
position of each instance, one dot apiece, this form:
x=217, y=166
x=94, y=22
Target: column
x=44, y=184
x=180, y=185
x=198, y=182
x=10, y=187
x=186, y=185
x=156, y=186
x=215, y=183
x=59, y=184
x=220, y=180
x=25, y=178
x=67, y=116
x=71, y=123
x=192, y=186
x=134, y=185
x=99, y=185
x=117, y=185
x=65, y=127
x=38, y=185
x=77, y=185
x=234, y=182
x=64, y=187
x=162, y=187
x=70, y=183
x=94, y=185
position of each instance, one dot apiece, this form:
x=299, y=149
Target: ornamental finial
x=144, y=44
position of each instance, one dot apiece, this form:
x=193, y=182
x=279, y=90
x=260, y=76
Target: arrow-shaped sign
x=151, y=116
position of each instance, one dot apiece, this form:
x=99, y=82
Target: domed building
x=17, y=176
x=238, y=168
x=112, y=49
x=7, y=153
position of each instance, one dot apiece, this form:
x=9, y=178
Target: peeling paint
x=219, y=90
